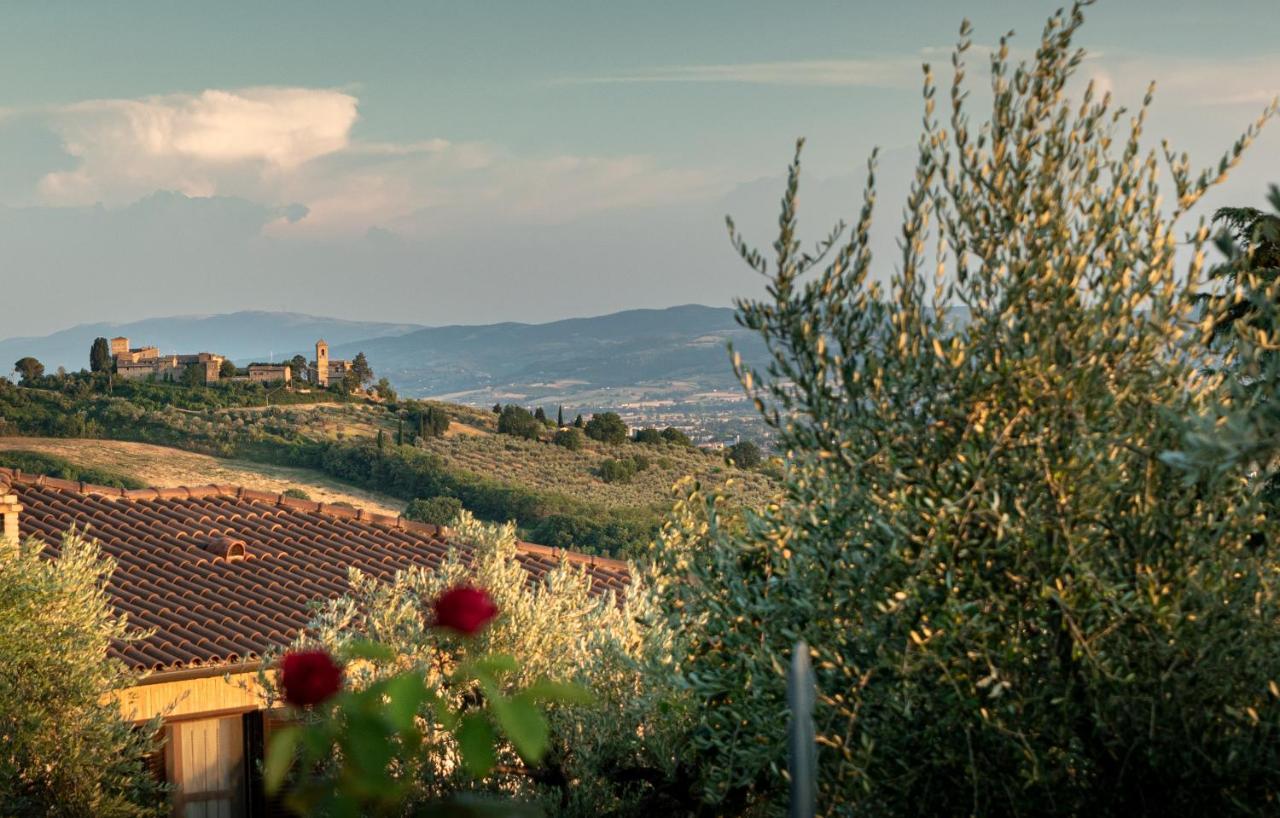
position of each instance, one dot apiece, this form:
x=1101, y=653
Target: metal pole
x=802, y=745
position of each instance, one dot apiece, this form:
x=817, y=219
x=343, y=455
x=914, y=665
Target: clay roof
x=221, y=573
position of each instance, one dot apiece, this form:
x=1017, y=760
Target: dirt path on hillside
x=163, y=466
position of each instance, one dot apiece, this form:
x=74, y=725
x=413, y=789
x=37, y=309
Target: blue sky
x=476, y=162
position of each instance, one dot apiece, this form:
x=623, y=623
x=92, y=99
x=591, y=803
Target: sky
x=476, y=162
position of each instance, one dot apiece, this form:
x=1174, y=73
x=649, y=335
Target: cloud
x=475, y=187
x=198, y=144
x=1187, y=81
x=292, y=151
x=878, y=72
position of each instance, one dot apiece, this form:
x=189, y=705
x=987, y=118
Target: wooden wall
x=192, y=697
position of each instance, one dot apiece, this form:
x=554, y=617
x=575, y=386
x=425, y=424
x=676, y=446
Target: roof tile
x=174, y=577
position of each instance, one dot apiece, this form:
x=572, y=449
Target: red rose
x=465, y=609
x=309, y=677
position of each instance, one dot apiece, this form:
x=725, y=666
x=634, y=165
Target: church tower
x=322, y=363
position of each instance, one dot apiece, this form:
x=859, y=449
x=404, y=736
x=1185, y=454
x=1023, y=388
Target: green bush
x=744, y=454
x=1015, y=607
x=648, y=436
x=297, y=494
x=67, y=749
x=430, y=421
x=39, y=463
x=616, y=471
x=607, y=427
x=615, y=755
x=435, y=510
x=519, y=422
x=569, y=438
x=673, y=435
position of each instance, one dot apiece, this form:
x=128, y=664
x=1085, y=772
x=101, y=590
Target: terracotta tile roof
x=221, y=572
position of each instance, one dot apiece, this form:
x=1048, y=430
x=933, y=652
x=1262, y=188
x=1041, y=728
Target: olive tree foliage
x=66, y=748
x=1242, y=321
x=1015, y=606
x=616, y=755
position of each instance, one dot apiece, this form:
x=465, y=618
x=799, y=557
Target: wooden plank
x=208, y=762
x=192, y=697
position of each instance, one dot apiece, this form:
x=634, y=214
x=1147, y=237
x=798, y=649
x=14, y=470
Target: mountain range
x=677, y=354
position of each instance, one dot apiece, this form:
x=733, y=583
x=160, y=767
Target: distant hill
x=674, y=354
x=681, y=348
x=241, y=336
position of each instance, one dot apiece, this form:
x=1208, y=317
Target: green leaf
x=284, y=743
x=545, y=690
x=524, y=725
x=406, y=693
x=475, y=742
x=494, y=665
x=367, y=649
x=367, y=745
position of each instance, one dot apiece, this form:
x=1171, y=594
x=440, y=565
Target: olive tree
x=1015, y=605
x=617, y=755
x=67, y=749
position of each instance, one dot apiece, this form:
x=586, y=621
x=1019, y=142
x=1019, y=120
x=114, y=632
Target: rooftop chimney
x=9, y=508
x=229, y=548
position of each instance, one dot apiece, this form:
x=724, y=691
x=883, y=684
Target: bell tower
x=322, y=363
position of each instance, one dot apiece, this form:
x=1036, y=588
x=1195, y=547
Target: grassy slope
x=554, y=494
x=163, y=466
x=472, y=444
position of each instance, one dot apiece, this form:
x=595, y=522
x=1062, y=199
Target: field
x=543, y=465
x=555, y=495
x=472, y=444
x=164, y=466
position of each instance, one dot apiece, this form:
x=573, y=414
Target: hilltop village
x=146, y=363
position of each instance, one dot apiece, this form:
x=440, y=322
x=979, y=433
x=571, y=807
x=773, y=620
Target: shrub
x=569, y=438
x=1015, y=607
x=29, y=369
x=673, y=435
x=616, y=755
x=744, y=454
x=436, y=510
x=607, y=427
x=519, y=422
x=648, y=436
x=297, y=494
x=67, y=749
x=616, y=471
x=431, y=421
x=40, y=463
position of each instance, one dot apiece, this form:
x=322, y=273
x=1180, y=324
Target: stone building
x=139, y=363
x=325, y=370
x=270, y=373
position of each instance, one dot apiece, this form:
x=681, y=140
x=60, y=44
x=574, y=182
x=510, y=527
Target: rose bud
x=309, y=677
x=464, y=609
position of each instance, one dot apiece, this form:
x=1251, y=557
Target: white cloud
x=474, y=186
x=881, y=72
x=198, y=144
x=281, y=146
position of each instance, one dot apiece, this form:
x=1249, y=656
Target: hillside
x=241, y=336
x=602, y=498
x=473, y=445
x=542, y=361
x=656, y=366
x=152, y=465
